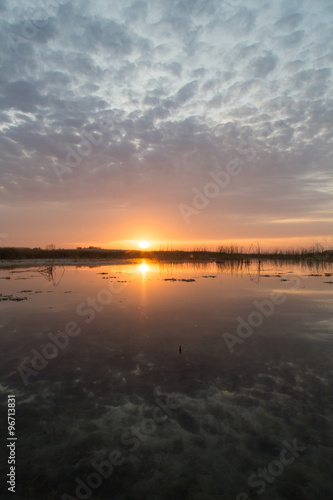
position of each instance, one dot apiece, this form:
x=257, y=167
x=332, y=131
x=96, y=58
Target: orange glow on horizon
x=244, y=244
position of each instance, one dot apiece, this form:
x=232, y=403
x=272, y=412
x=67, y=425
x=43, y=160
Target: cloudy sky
x=177, y=121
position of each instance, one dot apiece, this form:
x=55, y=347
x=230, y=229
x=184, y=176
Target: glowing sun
x=144, y=244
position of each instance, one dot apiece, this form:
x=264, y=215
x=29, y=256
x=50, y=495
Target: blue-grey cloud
x=184, y=84
x=261, y=66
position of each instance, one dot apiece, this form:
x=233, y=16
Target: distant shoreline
x=20, y=257
x=15, y=263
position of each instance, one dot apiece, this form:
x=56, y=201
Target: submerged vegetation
x=223, y=253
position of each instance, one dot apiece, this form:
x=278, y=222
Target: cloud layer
x=135, y=104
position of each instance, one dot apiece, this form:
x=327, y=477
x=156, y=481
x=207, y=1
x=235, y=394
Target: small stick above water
x=180, y=348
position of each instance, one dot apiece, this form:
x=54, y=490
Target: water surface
x=194, y=422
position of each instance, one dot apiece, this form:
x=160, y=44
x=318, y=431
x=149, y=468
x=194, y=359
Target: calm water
x=242, y=410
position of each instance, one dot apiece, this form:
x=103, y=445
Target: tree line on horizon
x=222, y=252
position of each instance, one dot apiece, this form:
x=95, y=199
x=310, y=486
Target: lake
x=169, y=381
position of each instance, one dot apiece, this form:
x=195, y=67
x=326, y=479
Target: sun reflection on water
x=144, y=268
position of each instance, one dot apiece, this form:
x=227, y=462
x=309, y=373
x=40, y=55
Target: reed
x=223, y=252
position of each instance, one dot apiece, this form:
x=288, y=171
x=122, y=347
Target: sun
x=144, y=244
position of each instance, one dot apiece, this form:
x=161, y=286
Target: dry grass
x=231, y=252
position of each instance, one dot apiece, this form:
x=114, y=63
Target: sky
x=186, y=123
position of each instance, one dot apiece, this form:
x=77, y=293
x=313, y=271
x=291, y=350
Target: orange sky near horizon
x=210, y=126
x=71, y=227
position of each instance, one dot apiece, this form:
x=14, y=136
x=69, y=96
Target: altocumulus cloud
x=184, y=83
